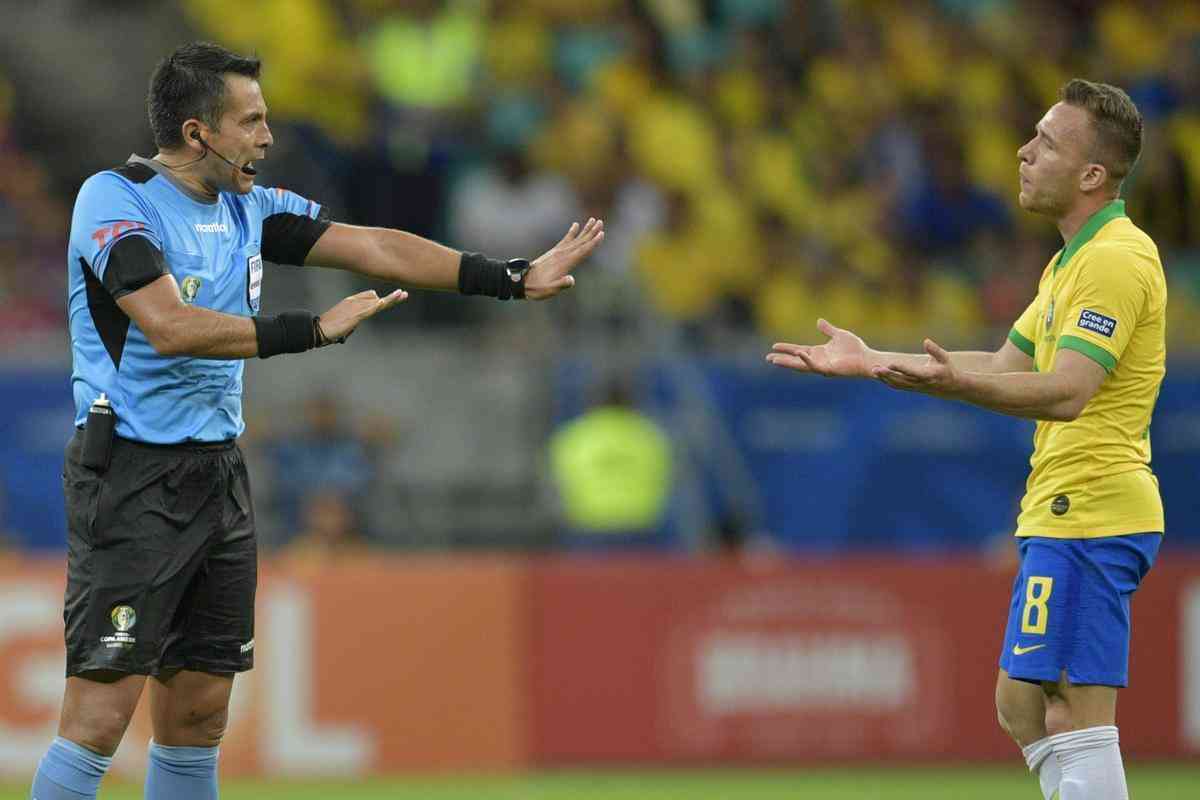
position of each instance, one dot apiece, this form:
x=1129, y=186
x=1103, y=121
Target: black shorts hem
x=214, y=667
x=211, y=666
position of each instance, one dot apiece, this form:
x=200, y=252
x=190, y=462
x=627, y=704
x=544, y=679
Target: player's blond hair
x=1116, y=122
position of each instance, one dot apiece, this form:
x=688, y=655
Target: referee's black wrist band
x=290, y=332
x=478, y=274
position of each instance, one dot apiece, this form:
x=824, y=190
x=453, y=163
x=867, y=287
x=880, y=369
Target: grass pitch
x=1146, y=782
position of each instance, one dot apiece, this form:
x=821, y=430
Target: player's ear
x=1094, y=176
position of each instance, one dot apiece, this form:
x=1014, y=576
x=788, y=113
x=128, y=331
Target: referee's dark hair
x=1116, y=122
x=190, y=83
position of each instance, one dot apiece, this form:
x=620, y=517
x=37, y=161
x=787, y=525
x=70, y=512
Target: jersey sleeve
x=291, y=225
x=1024, y=330
x=109, y=210
x=1104, y=307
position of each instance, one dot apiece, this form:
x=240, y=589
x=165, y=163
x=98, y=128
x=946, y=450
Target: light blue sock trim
x=97, y=764
x=181, y=773
x=184, y=755
x=68, y=771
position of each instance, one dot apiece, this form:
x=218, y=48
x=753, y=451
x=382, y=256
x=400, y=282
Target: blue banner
x=829, y=465
x=36, y=416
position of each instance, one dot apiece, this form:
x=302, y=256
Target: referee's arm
x=387, y=254
x=410, y=260
x=144, y=289
x=175, y=328
x=138, y=279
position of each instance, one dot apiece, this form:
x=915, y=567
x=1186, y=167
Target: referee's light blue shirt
x=215, y=251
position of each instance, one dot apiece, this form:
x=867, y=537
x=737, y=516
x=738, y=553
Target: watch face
x=517, y=267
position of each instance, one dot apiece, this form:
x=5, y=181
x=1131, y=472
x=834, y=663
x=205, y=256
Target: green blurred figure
x=613, y=470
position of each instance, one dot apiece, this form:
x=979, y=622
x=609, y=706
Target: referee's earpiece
x=246, y=168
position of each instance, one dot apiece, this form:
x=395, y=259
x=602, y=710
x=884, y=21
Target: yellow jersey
x=1103, y=295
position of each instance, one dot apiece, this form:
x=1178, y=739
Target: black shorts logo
x=1060, y=505
x=123, y=618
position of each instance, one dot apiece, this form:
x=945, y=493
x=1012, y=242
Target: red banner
x=786, y=661
x=375, y=666
x=362, y=667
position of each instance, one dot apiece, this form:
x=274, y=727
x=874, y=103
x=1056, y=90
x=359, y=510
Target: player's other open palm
x=341, y=320
x=845, y=355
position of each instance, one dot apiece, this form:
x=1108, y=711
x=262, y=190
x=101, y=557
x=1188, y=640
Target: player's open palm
x=550, y=273
x=341, y=320
x=843, y=356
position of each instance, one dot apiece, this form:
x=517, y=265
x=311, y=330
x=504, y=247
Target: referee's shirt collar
x=165, y=171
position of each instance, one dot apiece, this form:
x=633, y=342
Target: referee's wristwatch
x=517, y=269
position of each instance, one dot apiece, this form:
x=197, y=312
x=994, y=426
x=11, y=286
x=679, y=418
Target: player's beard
x=1038, y=200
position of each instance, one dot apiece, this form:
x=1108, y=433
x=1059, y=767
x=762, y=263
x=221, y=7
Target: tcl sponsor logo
x=102, y=235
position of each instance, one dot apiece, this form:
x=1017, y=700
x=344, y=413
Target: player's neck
x=185, y=174
x=1070, y=223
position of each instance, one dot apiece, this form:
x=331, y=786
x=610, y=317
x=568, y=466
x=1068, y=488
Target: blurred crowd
x=759, y=163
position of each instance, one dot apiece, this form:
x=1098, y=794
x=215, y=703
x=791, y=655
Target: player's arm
x=846, y=355
x=1099, y=318
x=144, y=289
x=1007, y=359
x=1059, y=395
x=409, y=260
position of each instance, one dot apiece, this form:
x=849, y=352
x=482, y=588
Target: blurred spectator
x=327, y=455
x=510, y=210
x=329, y=529
x=33, y=227
x=313, y=73
x=947, y=211
x=612, y=468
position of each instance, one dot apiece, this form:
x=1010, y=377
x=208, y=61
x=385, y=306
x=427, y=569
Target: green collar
x=1095, y=222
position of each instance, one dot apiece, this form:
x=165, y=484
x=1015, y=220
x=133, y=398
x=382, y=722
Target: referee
x=165, y=262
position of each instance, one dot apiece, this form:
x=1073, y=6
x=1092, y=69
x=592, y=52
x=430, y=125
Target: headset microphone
x=246, y=168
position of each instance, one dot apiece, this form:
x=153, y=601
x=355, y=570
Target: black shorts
x=162, y=560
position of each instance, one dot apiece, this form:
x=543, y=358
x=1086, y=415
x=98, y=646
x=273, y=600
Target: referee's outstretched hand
x=550, y=273
x=341, y=320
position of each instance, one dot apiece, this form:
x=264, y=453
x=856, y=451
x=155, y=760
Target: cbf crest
x=190, y=289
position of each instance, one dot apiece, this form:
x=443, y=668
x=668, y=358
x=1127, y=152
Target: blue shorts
x=1070, y=608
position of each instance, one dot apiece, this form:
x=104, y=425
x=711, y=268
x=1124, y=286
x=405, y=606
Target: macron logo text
x=211, y=227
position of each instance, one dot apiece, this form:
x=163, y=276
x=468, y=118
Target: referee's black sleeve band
x=288, y=238
x=133, y=262
x=290, y=332
x=478, y=274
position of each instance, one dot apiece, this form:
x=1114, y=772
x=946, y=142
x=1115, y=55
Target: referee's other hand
x=341, y=320
x=550, y=273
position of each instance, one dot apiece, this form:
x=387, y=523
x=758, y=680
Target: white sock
x=1043, y=763
x=1091, y=764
